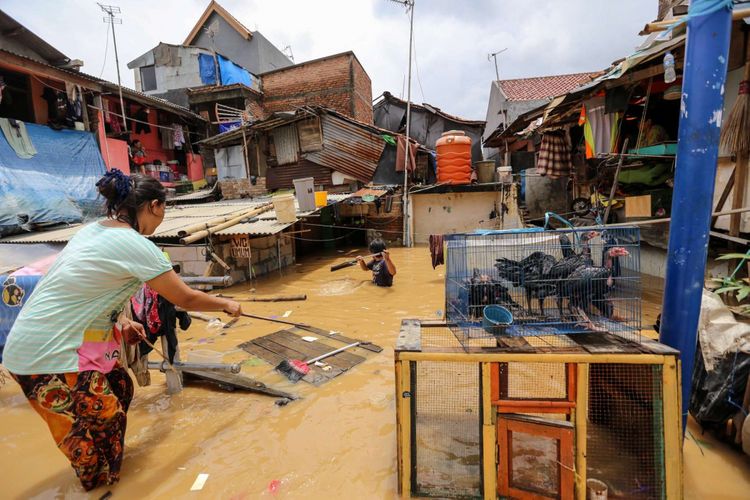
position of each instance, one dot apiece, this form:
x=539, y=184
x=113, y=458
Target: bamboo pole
x=213, y=222
x=738, y=198
x=581, y=422
x=231, y=222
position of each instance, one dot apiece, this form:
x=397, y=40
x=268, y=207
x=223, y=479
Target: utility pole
x=405, y=207
x=494, y=56
x=111, y=10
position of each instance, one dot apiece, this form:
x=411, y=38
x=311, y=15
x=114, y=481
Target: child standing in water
x=382, y=267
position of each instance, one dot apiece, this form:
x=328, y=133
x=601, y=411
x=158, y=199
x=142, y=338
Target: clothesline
x=138, y=121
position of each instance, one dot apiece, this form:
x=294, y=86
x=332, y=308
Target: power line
x=110, y=18
x=106, y=49
x=416, y=66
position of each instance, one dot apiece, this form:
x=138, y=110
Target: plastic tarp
x=233, y=73
x=207, y=69
x=15, y=290
x=226, y=127
x=57, y=185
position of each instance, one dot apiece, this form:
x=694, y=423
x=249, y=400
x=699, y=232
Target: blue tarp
x=207, y=69
x=14, y=292
x=56, y=185
x=226, y=127
x=232, y=73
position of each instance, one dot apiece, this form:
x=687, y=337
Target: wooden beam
x=581, y=423
x=636, y=76
x=733, y=239
x=738, y=199
x=523, y=357
x=664, y=25
x=403, y=427
x=724, y=195
x=673, y=437
x=489, y=437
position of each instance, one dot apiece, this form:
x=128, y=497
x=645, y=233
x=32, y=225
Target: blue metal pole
x=706, y=55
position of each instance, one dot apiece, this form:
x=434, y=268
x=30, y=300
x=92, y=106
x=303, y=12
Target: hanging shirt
x=179, y=136
x=66, y=325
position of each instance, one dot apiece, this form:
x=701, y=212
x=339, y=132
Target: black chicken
x=484, y=291
x=570, y=262
x=529, y=273
x=590, y=285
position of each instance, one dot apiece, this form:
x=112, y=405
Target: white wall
x=461, y=212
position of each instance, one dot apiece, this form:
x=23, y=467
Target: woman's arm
x=172, y=288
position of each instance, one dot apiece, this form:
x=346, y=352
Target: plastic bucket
x=504, y=174
x=204, y=356
x=485, y=171
x=284, y=207
x=304, y=190
x=496, y=319
x=597, y=490
x=321, y=198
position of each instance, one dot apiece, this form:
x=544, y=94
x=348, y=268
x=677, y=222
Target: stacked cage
x=543, y=283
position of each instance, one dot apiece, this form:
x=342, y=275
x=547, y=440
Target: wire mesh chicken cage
x=545, y=283
x=532, y=421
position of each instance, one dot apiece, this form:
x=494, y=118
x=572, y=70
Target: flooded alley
x=337, y=441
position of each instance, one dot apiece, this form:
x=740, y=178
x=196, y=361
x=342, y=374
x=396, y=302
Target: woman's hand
x=133, y=332
x=233, y=308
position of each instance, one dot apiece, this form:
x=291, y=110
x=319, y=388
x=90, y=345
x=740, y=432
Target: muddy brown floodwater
x=338, y=441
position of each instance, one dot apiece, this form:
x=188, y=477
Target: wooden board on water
x=339, y=337
x=286, y=344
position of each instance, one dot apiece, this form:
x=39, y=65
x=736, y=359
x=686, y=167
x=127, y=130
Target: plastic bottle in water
x=669, y=73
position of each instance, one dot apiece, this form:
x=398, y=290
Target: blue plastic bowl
x=495, y=319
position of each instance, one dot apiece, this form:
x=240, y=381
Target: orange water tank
x=454, y=158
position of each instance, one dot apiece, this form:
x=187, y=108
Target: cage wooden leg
x=403, y=427
x=489, y=437
x=581, y=421
x=672, y=428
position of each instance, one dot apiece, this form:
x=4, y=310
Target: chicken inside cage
x=578, y=280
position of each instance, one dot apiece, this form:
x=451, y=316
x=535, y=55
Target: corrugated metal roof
x=62, y=235
x=181, y=216
x=286, y=143
x=348, y=148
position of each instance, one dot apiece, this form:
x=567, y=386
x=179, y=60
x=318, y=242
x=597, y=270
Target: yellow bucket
x=321, y=198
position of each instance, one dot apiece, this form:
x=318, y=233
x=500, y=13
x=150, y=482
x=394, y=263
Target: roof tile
x=542, y=87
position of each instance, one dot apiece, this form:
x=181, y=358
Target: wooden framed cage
x=534, y=417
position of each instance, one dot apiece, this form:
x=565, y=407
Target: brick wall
x=234, y=189
x=338, y=82
x=362, y=93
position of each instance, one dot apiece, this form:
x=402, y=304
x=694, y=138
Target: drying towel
x=400, y=154
x=16, y=135
x=554, y=155
x=436, y=250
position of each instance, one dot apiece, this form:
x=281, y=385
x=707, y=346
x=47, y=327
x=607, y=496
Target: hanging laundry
x=436, y=250
x=400, y=151
x=140, y=122
x=554, y=159
x=179, y=135
x=18, y=138
x=2, y=88
x=599, y=128
x=115, y=120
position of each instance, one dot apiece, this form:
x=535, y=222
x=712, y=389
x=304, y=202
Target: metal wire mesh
x=446, y=435
x=552, y=282
x=625, y=430
x=533, y=381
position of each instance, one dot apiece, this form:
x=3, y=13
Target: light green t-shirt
x=66, y=324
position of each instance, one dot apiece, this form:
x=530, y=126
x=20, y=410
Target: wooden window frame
x=564, y=406
x=566, y=457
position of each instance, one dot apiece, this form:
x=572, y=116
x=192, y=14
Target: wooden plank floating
x=315, y=377
x=341, y=338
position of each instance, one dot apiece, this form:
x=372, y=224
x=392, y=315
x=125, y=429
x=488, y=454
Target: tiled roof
x=542, y=87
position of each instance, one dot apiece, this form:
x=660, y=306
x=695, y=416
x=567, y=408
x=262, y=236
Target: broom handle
x=328, y=354
x=152, y=346
x=350, y=263
x=299, y=325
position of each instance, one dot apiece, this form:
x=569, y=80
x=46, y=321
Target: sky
x=452, y=39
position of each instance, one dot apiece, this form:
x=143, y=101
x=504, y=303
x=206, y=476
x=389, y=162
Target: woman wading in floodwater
x=64, y=347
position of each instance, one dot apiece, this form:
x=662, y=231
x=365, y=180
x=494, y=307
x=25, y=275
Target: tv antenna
x=494, y=56
x=111, y=11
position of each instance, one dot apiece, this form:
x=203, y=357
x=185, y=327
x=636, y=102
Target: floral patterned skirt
x=86, y=414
